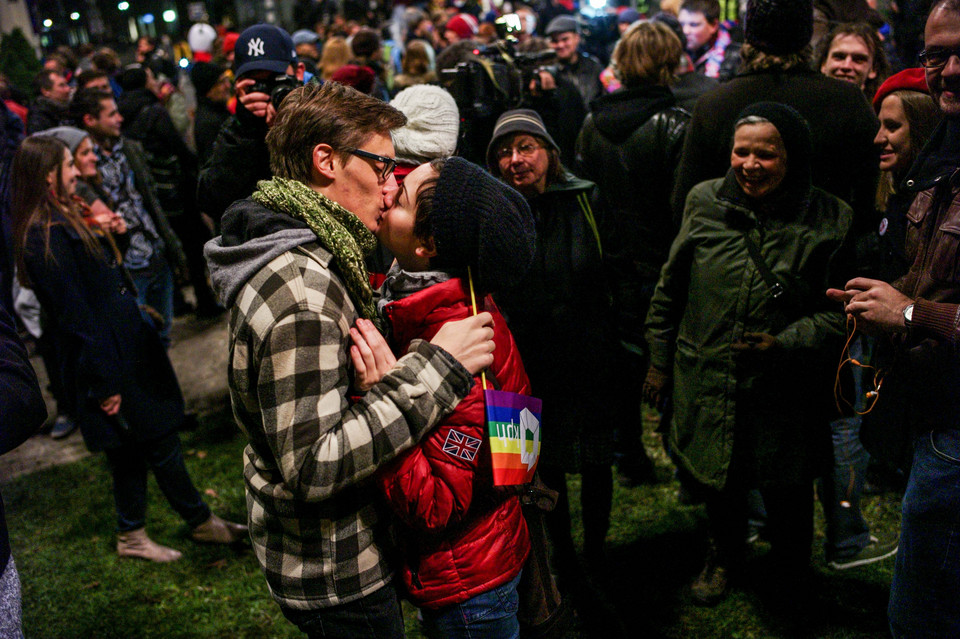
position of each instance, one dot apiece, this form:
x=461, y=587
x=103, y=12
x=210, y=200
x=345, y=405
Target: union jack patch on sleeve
x=461, y=445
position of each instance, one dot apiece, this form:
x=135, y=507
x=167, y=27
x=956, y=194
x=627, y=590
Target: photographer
x=266, y=68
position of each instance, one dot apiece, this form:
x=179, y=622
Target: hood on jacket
x=252, y=235
x=619, y=114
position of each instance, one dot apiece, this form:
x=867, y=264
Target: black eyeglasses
x=389, y=164
x=937, y=58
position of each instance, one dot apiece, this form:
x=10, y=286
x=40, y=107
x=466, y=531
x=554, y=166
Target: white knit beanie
x=433, y=123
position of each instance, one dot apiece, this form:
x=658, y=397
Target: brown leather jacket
x=929, y=359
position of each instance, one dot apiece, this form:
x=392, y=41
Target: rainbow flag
x=513, y=430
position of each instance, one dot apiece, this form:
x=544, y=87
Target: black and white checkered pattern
x=313, y=520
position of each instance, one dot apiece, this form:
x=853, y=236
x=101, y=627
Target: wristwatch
x=908, y=315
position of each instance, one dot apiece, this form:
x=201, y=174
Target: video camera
x=499, y=80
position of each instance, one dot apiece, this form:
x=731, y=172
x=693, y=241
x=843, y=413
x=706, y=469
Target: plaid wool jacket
x=315, y=521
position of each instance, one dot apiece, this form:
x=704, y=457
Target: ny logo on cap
x=255, y=47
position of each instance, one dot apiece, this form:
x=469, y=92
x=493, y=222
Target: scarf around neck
x=337, y=229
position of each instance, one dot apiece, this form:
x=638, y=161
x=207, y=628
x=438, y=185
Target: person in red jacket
x=464, y=541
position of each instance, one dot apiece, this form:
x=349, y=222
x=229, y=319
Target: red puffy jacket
x=461, y=537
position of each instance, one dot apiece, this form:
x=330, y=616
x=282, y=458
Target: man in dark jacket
x=921, y=311
x=240, y=158
x=582, y=69
x=776, y=67
x=713, y=51
x=174, y=169
x=53, y=98
x=23, y=411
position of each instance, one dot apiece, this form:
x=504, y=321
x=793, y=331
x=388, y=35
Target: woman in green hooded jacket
x=744, y=341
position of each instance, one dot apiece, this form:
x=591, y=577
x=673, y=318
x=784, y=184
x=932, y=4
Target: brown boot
x=135, y=543
x=219, y=531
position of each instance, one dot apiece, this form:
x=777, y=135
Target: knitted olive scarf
x=338, y=230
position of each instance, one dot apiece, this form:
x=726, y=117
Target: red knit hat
x=908, y=79
x=352, y=75
x=230, y=41
x=464, y=25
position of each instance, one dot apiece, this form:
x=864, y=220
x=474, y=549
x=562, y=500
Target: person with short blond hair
x=630, y=145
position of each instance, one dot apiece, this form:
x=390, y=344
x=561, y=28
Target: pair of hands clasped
x=469, y=341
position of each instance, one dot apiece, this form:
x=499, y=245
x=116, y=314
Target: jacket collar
x=938, y=160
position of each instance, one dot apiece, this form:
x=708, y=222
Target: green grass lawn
x=62, y=521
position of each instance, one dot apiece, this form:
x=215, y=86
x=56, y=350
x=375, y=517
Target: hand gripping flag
x=513, y=429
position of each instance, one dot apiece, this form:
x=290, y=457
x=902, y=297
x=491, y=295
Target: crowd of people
x=703, y=216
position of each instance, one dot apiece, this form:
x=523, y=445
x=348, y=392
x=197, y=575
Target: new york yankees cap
x=263, y=47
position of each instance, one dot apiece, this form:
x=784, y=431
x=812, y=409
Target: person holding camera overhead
x=266, y=68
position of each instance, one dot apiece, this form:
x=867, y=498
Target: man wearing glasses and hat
x=290, y=267
x=921, y=311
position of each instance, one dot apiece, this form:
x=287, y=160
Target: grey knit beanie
x=71, y=136
x=779, y=27
x=517, y=121
x=480, y=222
x=433, y=123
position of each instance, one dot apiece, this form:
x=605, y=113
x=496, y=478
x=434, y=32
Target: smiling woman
x=737, y=323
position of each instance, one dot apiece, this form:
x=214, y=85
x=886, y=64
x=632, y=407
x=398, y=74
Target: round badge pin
x=884, y=224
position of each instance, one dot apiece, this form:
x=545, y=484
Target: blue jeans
x=847, y=532
x=492, y=615
x=156, y=289
x=925, y=594
x=164, y=457
x=376, y=616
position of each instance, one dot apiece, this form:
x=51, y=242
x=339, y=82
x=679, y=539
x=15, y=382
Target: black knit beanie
x=134, y=77
x=204, y=76
x=797, y=141
x=480, y=222
x=779, y=27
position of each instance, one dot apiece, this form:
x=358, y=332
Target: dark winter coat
x=690, y=86
x=21, y=404
x=772, y=408
x=461, y=537
x=206, y=126
x=845, y=162
x=46, y=114
x=239, y=160
x=172, y=164
x=630, y=147
x=106, y=346
x=560, y=313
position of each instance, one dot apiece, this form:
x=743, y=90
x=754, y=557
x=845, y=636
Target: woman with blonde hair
x=336, y=53
x=630, y=146
x=417, y=67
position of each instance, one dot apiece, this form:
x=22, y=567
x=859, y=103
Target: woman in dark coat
x=630, y=146
x=559, y=315
x=741, y=333
x=128, y=401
